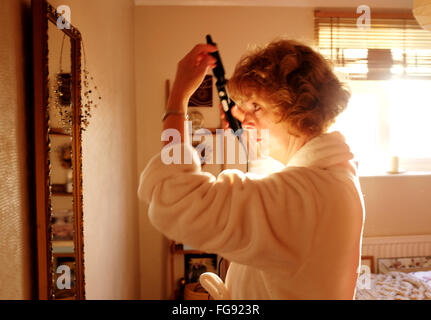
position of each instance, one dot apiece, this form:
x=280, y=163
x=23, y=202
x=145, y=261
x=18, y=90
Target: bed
x=395, y=285
x=396, y=267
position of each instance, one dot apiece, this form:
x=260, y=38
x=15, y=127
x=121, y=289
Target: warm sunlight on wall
x=388, y=118
x=410, y=116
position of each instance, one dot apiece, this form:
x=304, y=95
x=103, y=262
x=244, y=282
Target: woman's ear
x=278, y=116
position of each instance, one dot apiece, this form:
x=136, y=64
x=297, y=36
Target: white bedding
x=397, y=286
x=424, y=276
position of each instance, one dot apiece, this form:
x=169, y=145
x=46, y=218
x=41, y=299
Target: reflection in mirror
x=60, y=109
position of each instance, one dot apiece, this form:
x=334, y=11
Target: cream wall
x=15, y=158
x=111, y=246
x=397, y=205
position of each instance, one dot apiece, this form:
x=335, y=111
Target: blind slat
x=340, y=40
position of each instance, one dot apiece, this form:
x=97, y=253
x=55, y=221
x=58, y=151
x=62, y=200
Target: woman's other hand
x=191, y=71
x=236, y=112
x=254, y=147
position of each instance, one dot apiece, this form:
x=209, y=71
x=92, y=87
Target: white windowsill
x=400, y=174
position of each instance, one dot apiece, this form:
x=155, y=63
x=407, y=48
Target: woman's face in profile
x=260, y=115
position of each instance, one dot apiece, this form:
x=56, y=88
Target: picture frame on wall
x=211, y=116
x=203, y=96
x=196, y=264
x=404, y=264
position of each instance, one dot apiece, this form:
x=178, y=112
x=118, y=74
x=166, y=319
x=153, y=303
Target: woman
x=294, y=233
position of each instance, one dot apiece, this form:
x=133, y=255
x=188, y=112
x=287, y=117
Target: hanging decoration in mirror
x=91, y=94
x=62, y=94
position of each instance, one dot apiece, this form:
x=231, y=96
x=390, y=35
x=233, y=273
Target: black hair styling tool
x=226, y=102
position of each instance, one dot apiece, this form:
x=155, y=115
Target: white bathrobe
x=294, y=233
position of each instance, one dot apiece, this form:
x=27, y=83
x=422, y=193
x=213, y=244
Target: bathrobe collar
x=323, y=151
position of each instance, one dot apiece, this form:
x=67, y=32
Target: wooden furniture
x=178, y=249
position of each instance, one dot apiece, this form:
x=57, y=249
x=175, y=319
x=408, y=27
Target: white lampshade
x=422, y=13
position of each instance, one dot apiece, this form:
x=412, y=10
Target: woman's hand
x=236, y=112
x=239, y=114
x=191, y=71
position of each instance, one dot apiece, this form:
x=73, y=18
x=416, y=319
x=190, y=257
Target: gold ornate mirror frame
x=43, y=14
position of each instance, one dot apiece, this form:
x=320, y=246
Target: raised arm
x=191, y=71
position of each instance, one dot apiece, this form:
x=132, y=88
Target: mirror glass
x=60, y=124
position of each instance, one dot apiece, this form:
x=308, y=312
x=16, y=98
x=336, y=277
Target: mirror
x=57, y=116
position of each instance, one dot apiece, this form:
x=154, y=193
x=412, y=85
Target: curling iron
x=226, y=102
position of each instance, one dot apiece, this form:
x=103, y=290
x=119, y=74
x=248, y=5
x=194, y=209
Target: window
x=393, y=44
x=388, y=118
x=389, y=72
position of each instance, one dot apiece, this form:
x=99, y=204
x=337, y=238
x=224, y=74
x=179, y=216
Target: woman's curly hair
x=296, y=80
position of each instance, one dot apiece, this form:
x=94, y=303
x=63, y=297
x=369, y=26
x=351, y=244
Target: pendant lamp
x=422, y=13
